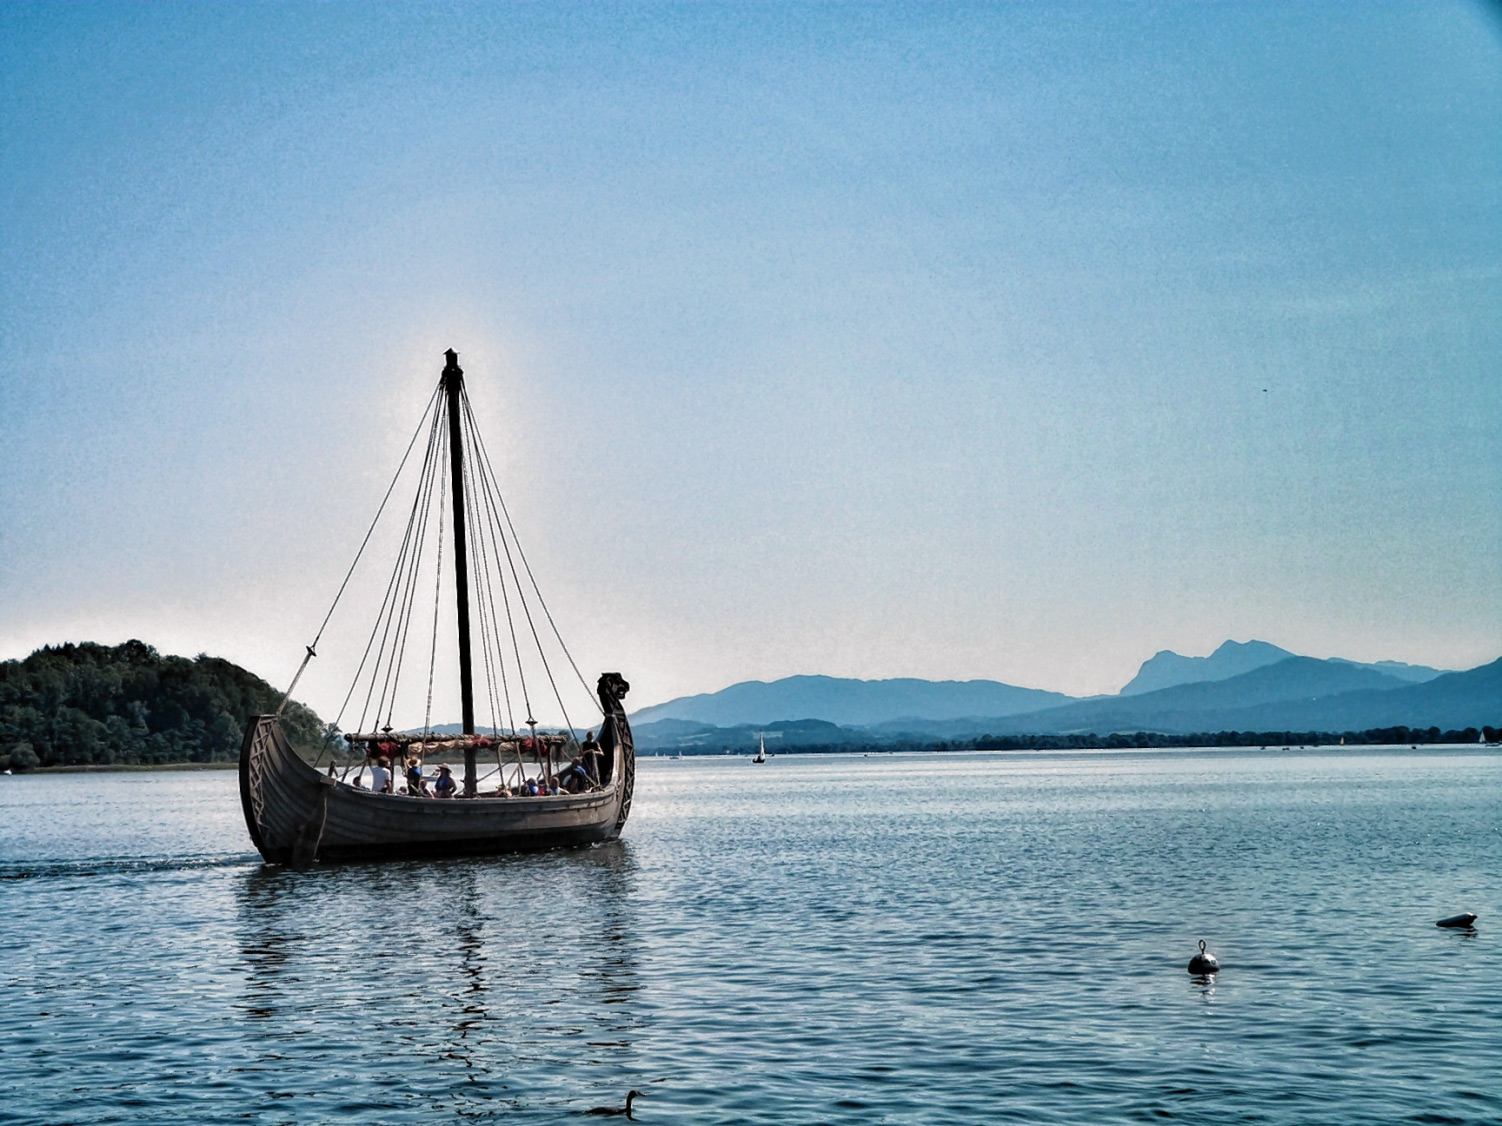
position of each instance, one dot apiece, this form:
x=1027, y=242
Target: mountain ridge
x=1326, y=697
x=1167, y=669
x=845, y=700
x=1291, y=679
x=871, y=703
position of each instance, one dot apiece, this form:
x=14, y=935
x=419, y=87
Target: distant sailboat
x=761, y=755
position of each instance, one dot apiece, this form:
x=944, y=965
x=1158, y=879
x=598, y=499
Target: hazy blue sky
x=1007, y=341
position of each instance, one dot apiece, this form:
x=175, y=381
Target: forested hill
x=76, y=705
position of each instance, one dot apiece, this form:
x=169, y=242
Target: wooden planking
x=284, y=799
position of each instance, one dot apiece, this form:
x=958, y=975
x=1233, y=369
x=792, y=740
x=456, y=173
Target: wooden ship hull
x=297, y=815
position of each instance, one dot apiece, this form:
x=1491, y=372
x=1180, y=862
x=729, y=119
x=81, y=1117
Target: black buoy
x=1203, y=964
x=1464, y=919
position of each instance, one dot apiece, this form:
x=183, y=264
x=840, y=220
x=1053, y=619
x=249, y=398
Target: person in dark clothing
x=591, y=755
x=573, y=778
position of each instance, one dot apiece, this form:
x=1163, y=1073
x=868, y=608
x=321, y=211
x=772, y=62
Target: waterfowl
x=626, y=1110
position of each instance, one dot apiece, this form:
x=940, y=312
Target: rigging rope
x=489, y=626
x=348, y=574
x=521, y=672
x=485, y=463
x=423, y=481
x=427, y=716
x=404, y=630
x=527, y=610
x=373, y=523
x=408, y=552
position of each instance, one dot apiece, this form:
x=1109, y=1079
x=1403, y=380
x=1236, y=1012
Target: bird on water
x=626, y=1110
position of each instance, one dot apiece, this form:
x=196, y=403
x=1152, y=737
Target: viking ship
x=298, y=813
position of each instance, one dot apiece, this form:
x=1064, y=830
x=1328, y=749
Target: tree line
x=1376, y=736
x=99, y=705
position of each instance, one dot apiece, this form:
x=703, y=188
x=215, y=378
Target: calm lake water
x=910, y=939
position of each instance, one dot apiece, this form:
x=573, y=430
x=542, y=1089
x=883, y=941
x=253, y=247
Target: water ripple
x=885, y=940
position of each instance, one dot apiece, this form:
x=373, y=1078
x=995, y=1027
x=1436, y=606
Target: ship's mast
x=453, y=390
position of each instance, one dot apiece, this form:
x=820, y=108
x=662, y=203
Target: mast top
x=452, y=367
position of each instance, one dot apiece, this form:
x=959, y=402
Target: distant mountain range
x=857, y=702
x=1167, y=668
x=1242, y=686
x=1298, y=693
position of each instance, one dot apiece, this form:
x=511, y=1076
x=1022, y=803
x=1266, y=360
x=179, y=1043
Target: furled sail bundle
x=298, y=813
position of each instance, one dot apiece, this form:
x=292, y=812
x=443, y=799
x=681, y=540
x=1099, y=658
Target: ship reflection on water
x=469, y=986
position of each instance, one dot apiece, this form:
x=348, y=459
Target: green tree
x=90, y=704
x=21, y=757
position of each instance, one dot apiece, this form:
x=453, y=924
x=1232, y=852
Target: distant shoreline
x=129, y=768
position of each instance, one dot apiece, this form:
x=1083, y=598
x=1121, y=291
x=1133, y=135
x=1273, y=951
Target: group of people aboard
x=581, y=775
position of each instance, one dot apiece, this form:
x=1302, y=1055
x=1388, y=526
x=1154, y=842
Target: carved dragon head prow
x=612, y=689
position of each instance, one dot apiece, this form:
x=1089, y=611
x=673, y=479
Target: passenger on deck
x=591, y=753
x=443, y=785
x=416, y=783
x=380, y=776
x=573, y=778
